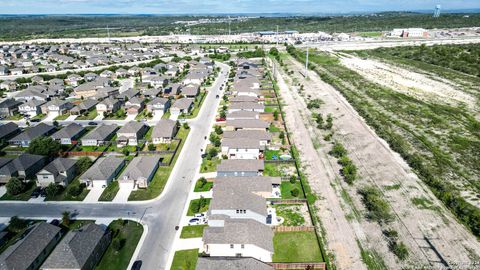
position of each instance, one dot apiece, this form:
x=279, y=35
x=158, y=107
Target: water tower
x=436, y=13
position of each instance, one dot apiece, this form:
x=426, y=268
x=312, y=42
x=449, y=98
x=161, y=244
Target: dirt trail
x=341, y=234
x=378, y=165
x=409, y=82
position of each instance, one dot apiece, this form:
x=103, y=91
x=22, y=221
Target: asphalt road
x=162, y=214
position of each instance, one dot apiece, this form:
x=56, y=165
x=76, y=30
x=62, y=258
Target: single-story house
x=102, y=172
x=243, y=115
x=60, y=172
x=24, y=166
x=79, y=249
x=100, y=135
x=23, y=139
x=139, y=172
x=84, y=107
x=246, y=106
x=190, y=91
x=31, y=250
x=183, y=105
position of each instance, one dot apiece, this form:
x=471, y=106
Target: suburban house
x=262, y=136
x=129, y=94
x=190, y=91
x=31, y=108
x=73, y=79
x=9, y=107
x=109, y=105
x=8, y=85
x=30, y=251
x=8, y=130
x=158, y=106
x=155, y=81
x=31, y=94
x=242, y=148
x=139, y=172
x=240, y=167
x=250, y=124
x=231, y=263
x=99, y=136
x=23, y=139
x=69, y=134
x=243, y=197
x=84, y=107
x=130, y=133
x=152, y=93
x=183, y=105
x=164, y=131
x=243, y=99
x=242, y=115
x=134, y=105
x=102, y=172
x=238, y=238
x=79, y=249
x=59, y=172
x=246, y=106
x=58, y=106
x=23, y=167
x=195, y=78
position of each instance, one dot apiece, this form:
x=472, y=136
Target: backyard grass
x=296, y=247
x=142, y=115
x=128, y=231
x=193, y=231
x=160, y=179
x=287, y=187
x=191, y=211
x=197, y=106
x=90, y=115
x=110, y=191
x=269, y=154
x=185, y=260
x=199, y=188
x=291, y=214
x=24, y=196
x=274, y=128
x=209, y=165
x=279, y=169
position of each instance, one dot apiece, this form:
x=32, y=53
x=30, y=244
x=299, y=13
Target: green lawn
x=24, y=196
x=286, y=188
x=62, y=117
x=81, y=148
x=130, y=232
x=271, y=109
x=166, y=115
x=209, y=165
x=90, y=115
x=38, y=116
x=160, y=179
x=192, y=212
x=14, y=117
x=65, y=194
x=110, y=191
x=291, y=214
x=185, y=260
x=296, y=247
x=279, y=169
x=193, y=231
x=142, y=115
x=274, y=128
x=116, y=116
x=270, y=153
x=199, y=188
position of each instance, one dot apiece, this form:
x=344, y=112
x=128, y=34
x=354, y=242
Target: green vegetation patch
x=193, y=231
x=185, y=260
x=296, y=247
x=110, y=191
x=198, y=206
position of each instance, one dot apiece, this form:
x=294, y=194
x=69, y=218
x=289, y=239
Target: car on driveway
x=195, y=221
x=136, y=265
x=36, y=192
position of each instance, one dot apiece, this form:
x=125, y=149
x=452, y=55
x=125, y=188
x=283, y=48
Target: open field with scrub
x=398, y=195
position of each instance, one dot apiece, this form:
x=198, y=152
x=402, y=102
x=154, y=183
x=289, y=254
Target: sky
x=222, y=6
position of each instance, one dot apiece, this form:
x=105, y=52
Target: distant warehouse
x=409, y=32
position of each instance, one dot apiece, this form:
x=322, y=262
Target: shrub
x=44, y=146
x=151, y=147
x=378, y=208
x=17, y=224
x=295, y=192
x=338, y=150
x=83, y=164
x=51, y=190
x=15, y=186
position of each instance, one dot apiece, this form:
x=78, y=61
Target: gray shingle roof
x=250, y=123
x=240, y=231
x=132, y=127
x=242, y=143
x=23, y=253
x=183, y=103
x=243, y=115
x=7, y=129
x=140, y=167
x=251, y=134
x=101, y=132
x=244, y=165
x=59, y=165
x=247, y=106
x=223, y=263
x=164, y=129
x=102, y=169
x=69, y=131
x=34, y=132
x=75, y=248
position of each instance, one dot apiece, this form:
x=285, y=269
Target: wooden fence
x=284, y=266
x=294, y=228
x=84, y=153
x=287, y=201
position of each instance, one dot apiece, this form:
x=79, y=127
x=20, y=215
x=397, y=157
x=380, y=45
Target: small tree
x=66, y=218
x=125, y=152
x=17, y=224
x=44, y=146
x=151, y=147
x=218, y=130
x=83, y=164
x=15, y=186
x=212, y=152
x=186, y=126
x=51, y=190
x=293, y=179
x=203, y=181
x=329, y=122
x=295, y=192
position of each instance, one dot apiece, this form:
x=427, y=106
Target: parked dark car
x=55, y=222
x=36, y=192
x=136, y=265
x=35, y=120
x=92, y=123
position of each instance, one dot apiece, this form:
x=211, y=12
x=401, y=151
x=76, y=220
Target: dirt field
x=429, y=231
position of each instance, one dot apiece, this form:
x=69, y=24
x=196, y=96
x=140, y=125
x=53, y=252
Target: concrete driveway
x=93, y=195
x=3, y=190
x=122, y=195
x=71, y=118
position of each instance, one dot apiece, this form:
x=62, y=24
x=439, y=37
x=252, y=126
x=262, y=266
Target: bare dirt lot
x=429, y=231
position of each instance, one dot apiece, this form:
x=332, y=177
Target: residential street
x=160, y=215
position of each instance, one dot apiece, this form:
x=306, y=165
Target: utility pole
x=306, y=65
